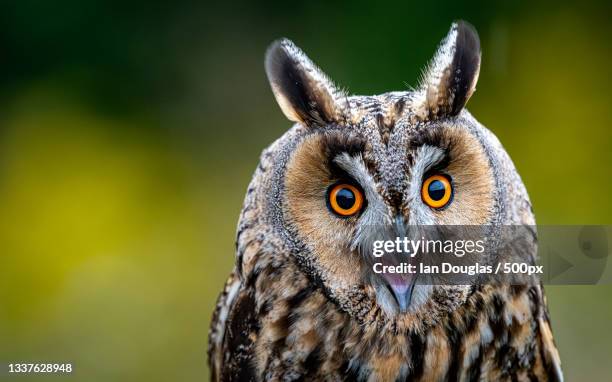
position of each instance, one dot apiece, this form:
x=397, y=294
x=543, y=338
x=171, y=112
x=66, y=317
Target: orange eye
x=437, y=191
x=345, y=199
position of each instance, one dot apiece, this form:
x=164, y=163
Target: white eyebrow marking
x=426, y=157
x=356, y=168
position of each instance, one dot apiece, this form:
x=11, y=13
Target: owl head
x=354, y=168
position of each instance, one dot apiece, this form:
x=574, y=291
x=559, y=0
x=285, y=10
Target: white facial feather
x=426, y=157
x=377, y=213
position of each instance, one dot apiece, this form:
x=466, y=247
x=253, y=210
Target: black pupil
x=345, y=198
x=436, y=190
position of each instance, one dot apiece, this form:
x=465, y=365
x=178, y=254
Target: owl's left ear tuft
x=304, y=93
x=451, y=76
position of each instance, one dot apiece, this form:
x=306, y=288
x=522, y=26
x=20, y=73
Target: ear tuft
x=451, y=77
x=304, y=93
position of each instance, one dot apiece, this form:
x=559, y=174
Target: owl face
x=355, y=169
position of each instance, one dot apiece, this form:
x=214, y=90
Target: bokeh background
x=129, y=132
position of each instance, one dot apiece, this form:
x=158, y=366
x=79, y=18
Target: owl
x=302, y=303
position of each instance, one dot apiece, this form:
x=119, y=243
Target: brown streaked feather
x=281, y=327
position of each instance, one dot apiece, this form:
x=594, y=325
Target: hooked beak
x=400, y=285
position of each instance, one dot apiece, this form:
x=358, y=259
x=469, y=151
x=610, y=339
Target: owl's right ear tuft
x=451, y=77
x=304, y=93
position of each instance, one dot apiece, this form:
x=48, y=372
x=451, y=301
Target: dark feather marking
x=299, y=297
x=496, y=320
x=349, y=374
x=241, y=322
x=470, y=319
x=506, y=359
x=399, y=107
x=266, y=307
x=336, y=143
x=454, y=343
x=479, y=303
x=313, y=361
x=252, y=277
x=473, y=372
x=534, y=299
x=383, y=128
x=417, y=354
x=538, y=308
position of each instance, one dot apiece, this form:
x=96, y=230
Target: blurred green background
x=129, y=132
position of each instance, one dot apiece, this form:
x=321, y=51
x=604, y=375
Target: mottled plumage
x=300, y=303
